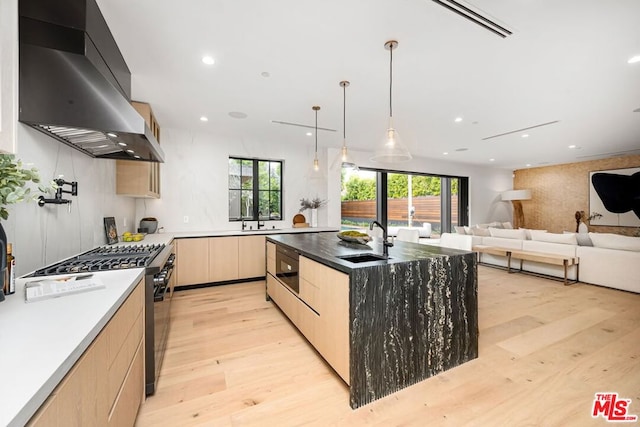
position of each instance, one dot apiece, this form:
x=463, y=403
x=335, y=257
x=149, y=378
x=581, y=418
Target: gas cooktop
x=104, y=258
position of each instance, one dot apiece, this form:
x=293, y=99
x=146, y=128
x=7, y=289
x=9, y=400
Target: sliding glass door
x=401, y=200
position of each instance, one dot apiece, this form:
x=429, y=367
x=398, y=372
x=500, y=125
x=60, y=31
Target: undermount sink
x=364, y=258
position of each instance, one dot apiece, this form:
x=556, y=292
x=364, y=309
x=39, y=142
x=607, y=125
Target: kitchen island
x=404, y=319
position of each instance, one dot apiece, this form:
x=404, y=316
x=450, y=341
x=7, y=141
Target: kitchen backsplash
x=42, y=235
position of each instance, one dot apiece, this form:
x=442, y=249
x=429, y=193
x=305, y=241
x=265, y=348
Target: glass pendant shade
x=392, y=150
x=346, y=160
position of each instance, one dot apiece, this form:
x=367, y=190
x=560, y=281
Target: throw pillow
x=478, y=231
x=507, y=234
x=459, y=229
x=582, y=238
x=565, y=239
x=615, y=241
x=528, y=232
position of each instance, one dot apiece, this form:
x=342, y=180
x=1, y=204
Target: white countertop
x=221, y=233
x=40, y=341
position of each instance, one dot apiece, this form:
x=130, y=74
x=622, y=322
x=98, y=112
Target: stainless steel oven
x=159, y=290
x=287, y=267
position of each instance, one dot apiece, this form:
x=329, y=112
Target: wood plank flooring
x=233, y=359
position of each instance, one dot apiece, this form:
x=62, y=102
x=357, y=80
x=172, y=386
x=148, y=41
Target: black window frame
x=445, y=194
x=256, y=213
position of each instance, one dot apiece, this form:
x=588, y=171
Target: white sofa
x=613, y=260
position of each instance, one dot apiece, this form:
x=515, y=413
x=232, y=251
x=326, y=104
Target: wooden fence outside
x=427, y=209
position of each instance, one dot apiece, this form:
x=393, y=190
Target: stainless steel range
x=157, y=260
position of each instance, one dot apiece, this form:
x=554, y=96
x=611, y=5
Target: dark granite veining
x=326, y=247
x=411, y=317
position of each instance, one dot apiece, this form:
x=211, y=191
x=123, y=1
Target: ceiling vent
x=466, y=11
x=520, y=130
x=280, y=122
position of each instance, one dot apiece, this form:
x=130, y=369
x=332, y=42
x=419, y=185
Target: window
x=399, y=199
x=255, y=189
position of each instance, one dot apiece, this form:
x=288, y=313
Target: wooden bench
x=541, y=257
x=546, y=258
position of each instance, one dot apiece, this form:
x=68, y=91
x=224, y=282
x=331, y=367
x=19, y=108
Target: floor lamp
x=516, y=197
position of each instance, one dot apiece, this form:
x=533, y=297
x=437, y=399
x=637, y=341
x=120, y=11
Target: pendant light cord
x=390, y=80
x=344, y=111
x=316, y=132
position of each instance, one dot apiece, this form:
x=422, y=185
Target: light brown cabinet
x=137, y=178
x=320, y=311
x=106, y=385
x=223, y=259
x=218, y=259
x=251, y=256
x=192, y=261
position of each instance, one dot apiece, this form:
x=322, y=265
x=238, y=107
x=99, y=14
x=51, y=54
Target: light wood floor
x=233, y=359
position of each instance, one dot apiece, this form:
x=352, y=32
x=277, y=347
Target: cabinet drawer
x=287, y=302
x=122, y=361
x=123, y=321
x=129, y=399
x=310, y=294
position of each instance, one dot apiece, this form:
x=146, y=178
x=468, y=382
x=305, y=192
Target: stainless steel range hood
x=74, y=83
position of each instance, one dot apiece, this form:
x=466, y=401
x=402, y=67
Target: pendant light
x=316, y=164
x=346, y=162
x=391, y=150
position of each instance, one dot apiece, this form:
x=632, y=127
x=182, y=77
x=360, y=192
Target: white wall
x=194, y=180
x=43, y=235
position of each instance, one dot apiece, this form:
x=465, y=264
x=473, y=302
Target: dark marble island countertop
x=326, y=248
x=411, y=316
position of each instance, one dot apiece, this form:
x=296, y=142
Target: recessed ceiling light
x=446, y=153
x=634, y=59
x=528, y=165
x=130, y=151
x=309, y=134
x=208, y=60
x=237, y=115
x=122, y=144
x=112, y=135
x=572, y=146
x=136, y=156
x=492, y=160
x=204, y=119
x=458, y=119
x=525, y=135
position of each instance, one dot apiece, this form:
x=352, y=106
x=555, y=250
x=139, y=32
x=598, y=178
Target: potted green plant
x=14, y=188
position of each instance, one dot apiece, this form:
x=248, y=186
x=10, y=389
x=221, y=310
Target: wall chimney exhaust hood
x=74, y=83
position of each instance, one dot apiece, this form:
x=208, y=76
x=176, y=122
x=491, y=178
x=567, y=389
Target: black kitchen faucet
x=385, y=243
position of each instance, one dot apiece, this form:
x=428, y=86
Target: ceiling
x=565, y=62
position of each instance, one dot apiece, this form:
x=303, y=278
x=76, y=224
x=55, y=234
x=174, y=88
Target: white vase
x=313, y=221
